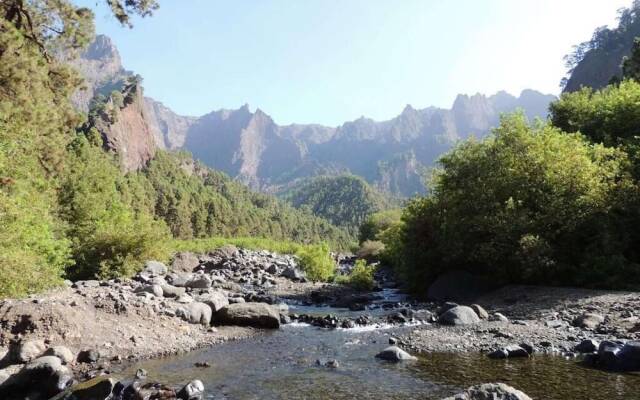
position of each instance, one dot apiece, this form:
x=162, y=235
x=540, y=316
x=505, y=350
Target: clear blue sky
x=328, y=61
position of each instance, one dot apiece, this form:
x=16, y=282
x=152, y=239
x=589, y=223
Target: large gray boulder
x=184, y=262
x=62, y=352
x=154, y=268
x=172, y=291
x=260, y=315
x=45, y=377
x=199, y=281
x=459, y=315
x=193, y=390
x=395, y=353
x=490, y=391
x=30, y=350
x=215, y=299
x=197, y=313
x=458, y=286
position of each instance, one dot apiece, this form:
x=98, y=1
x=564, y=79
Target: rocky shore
x=93, y=329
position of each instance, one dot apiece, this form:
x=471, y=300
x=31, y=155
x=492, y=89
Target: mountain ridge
x=251, y=147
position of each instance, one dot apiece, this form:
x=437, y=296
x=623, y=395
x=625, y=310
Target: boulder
x=62, y=352
x=226, y=252
x=184, y=262
x=458, y=286
x=513, y=351
x=199, y=281
x=446, y=307
x=259, y=315
x=88, y=356
x=482, y=313
x=179, y=279
x=292, y=273
x=197, y=313
x=172, y=291
x=395, y=353
x=215, y=299
x=46, y=376
x=492, y=391
x=499, y=317
x=193, y=390
x=629, y=356
x=587, y=346
x=154, y=268
x=98, y=388
x=30, y=350
x=8, y=372
x=459, y=315
x=588, y=321
x=139, y=390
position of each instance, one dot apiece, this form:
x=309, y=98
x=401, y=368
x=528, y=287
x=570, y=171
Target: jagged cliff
x=392, y=155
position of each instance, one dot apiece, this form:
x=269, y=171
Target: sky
x=330, y=61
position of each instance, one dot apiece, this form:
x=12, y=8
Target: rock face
x=126, y=131
x=459, y=315
x=250, y=314
x=490, y=391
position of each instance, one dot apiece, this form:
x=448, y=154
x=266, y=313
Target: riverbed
x=290, y=364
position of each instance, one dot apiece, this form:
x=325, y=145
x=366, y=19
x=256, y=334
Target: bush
x=527, y=204
x=370, y=249
x=316, y=262
x=379, y=222
x=360, y=278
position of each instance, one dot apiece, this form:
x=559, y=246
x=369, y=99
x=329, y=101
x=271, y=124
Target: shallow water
x=282, y=365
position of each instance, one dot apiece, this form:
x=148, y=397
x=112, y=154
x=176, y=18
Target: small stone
x=88, y=356
x=482, y=313
x=499, y=317
x=394, y=353
x=193, y=390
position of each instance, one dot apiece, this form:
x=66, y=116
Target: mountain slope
x=596, y=62
x=345, y=200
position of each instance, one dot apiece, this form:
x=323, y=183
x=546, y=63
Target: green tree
x=528, y=204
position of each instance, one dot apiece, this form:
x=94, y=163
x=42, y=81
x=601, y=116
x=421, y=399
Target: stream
x=283, y=364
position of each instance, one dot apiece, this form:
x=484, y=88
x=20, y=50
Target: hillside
x=596, y=62
x=251, y=147
x=345, y=200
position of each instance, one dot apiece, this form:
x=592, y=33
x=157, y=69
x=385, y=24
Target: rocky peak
x=102, y=49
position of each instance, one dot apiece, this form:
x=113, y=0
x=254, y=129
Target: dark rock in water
x=202, y=364
x=395, y=353
x=510, y=352
x=99, y=388
x=459, y=315
x=259, y=315
x=397, y=318
x=88, y=356
x=141, y=374
x=152, y=390
x=42, y=378
x=193, y=390
x=587, y=346
x=629, y=356
x=348, y=324
x=490, y=391
x=498, y=354
x=619, y=357
x=458, y=286
x=528, y=347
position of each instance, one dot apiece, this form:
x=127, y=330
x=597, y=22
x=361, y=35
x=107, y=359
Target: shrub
x=370, y=249
x=360, y=278
x=316, y=262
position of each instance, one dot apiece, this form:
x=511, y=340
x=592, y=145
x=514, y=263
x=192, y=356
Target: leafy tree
x=345, y=200
x=631, y=64
x=529, y=204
